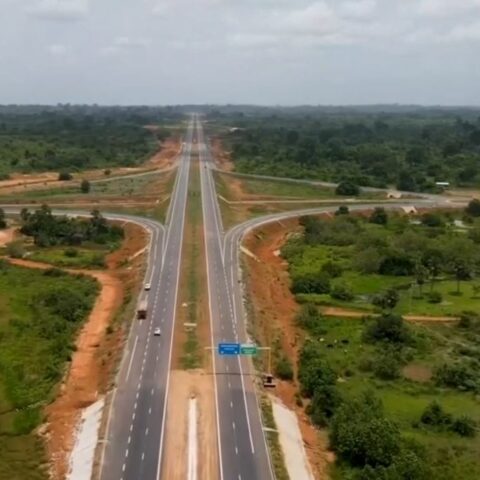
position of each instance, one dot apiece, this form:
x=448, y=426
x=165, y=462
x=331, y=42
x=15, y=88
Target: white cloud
x=123, y=44
x=62, y=10
x=357, y=8
x=442, y=8
x=57, y=50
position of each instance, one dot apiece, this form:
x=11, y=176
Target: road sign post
x=248, y=349
x=229, y=349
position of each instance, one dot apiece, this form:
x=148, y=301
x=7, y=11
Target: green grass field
x=405, y=399
x=40, y=314
x=69, y=257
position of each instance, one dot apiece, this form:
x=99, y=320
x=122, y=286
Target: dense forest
x=75, y=138
x=411, y=149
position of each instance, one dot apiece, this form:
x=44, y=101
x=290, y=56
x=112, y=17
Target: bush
x=314, y=371
x=64, y=176
x=15, y=249
x=361, y=435
x=107, y=172
x=331, y=269
x=462, y=376
x=473, y=208
x=342, y=210
x=284, y=368
x=434, y=297
x=464, y=426
x=71, y=252
x=379, y=216
x=434, y=416
x=342, y=292
x=310, y=319
x=386, y=300
x=310, y=283
x=325, y=401
x=347, y=188
x=387, y=328
x=85, y=186
x=387, y=365
x=432, y=220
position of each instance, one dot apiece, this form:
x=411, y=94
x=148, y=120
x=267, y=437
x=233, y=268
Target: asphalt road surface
x=242, y=446
x=136, y=424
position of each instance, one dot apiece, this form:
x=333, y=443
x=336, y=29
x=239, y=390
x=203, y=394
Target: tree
x=386, y=300
x=379, y=216
x=347, y=188
x=432, y=220
x=64, y=176
x=421, y=274
x=473, y=208
x=3, y=221
x=85, y=186
x=434, y=416
x=389, y=328
x=362, y=435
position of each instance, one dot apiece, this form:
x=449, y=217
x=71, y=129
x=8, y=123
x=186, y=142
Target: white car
x=157, y=332
x=147, y=287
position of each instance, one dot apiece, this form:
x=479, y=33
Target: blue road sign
x=229, y=349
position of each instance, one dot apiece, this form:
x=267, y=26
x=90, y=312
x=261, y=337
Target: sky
x=268, y=52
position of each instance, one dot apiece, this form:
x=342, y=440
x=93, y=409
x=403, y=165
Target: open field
x=37, y=339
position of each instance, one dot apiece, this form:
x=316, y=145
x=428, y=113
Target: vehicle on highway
x=142, y=310
x=148, y=286
x=157, y=332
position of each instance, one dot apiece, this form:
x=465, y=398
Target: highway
x=136, y=421
x=241, y=442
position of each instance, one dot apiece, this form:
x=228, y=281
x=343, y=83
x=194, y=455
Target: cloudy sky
x=240, y=51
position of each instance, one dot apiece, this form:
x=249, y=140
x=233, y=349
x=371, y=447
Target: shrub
x=314, y=371
x=432, y=220
x=107, y=172
x=387, y=328
x=325, y=401
x=461, y=375
x=435, y=416
x=386, y=300
x=331, y=269
x=85, y=186
x=342, y=210
x=15, y=249
x=387, y=365
x=310, y=283
x=473, y=208
x=343, y=292
x=64, y=176
x=310, y=319
x=464, y=426
x=434, y=297
x=347, y=188
x=361, y=435
x=70, y=252
x=284, y=368
x=379, y=216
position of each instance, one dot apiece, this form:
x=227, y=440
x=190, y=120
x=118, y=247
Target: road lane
x=243, y=451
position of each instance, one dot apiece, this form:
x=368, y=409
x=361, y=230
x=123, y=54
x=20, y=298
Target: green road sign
x=248, y=349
